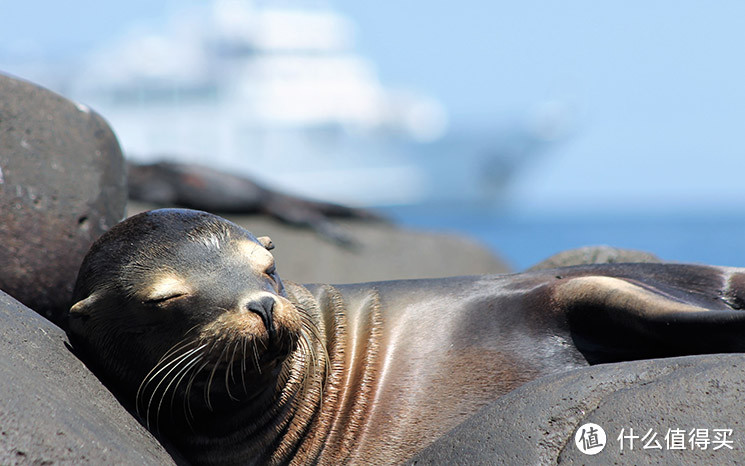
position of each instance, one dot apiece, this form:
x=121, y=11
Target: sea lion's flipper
x=613, y=319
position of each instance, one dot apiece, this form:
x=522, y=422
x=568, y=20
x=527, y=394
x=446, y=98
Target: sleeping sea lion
x=184, y=316
x=203, y=188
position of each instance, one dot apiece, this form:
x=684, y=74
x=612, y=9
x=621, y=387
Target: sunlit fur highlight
x=165, y=285
x=256, y=255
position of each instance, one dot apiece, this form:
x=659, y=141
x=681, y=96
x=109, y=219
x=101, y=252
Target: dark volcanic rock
x=62, y=184
x=52, y=409
x=536, y=423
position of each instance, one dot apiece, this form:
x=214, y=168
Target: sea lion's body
x=376, y=371
x=409, y=362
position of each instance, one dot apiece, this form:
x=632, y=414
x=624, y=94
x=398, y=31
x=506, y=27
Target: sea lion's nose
x=264, y=308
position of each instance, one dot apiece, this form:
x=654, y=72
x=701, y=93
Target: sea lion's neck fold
x=338, y=389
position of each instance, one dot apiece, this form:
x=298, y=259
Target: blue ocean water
x=525, y=239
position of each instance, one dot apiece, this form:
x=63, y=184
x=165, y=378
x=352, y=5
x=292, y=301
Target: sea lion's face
x=178, y=299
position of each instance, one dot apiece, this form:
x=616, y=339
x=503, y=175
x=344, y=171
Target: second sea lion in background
x=202, y=188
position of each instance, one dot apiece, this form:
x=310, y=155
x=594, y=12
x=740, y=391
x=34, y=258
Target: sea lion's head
x=178, y=302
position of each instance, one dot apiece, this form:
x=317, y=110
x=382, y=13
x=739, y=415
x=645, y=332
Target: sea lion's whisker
x=308, y=360
x=310, y=327
x=187, y=340
x=208, y=388
x=197, y=358
x=303, y=351
x=187, y=396
x=229, y=370
x=183, y=343
x=310, y=340
x=154, y=372
x=159, y=367
x=180, y=359
x=243, y=364
x=213, y=343
x=178, y=376
x=309, y=324
x=256, y=356
x=187, y=414
x=232, y=360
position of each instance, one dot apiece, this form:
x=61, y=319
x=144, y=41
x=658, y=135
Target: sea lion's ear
x=266, y=242
x=84, y=307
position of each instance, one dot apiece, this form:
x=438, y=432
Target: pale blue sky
x=656, y=88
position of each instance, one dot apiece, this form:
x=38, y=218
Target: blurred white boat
x=276, y=92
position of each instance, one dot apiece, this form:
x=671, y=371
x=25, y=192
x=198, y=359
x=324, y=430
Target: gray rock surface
x=384, y=252
x=595, y=255
x=52, y=409
x=62, y=184
x=536, y=423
